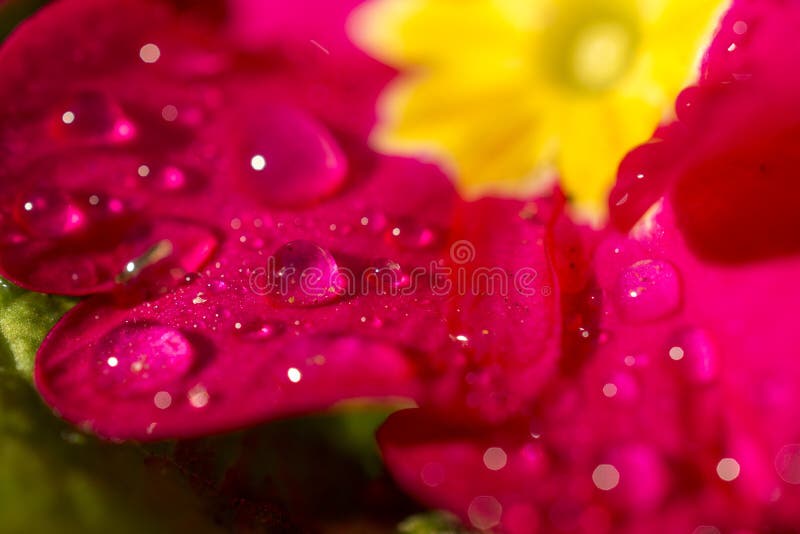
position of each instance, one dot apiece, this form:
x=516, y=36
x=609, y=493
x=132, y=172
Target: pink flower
x=182, y=180
x=685, y=417
x=184, y=172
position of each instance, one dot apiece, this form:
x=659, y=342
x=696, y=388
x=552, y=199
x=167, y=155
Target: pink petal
x=157, y=123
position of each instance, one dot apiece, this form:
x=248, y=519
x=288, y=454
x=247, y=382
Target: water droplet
x=171, y=177
x=648, y=290
x=605, y=477
x=142, y=358
x=485, y=512
x=198, y=396
x=168, y=177
x=432, y=474
x=495, y=458
x=787, y=463
x=149, y=53
x=304, y=274
x=386, y=277
x=695, y=350
x=290, y=159
x=411, y=234
x=373, y=221
x=294, y=375
x=49, y=213
x=162, y=400
x=92, y=116
x=169, y=113
x=260, y=330
x=728, y=469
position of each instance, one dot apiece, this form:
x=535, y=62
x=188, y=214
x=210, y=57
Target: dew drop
x=432, y=474
x=495, y=458
x=648, y=290
x=485, y=512
x=162, y=400
x=92, y=116
x=411, y=234
x=260, y=330
x=787, y=463
x=728, y=469
x=385, y=277
x=289, y=158
x=149, y=53
x=198, y=396
x=49, y=213
x=696, y=351
x=294, y=375
x=605, y=477
x=169, y=177
x=141, y=358
x=305, y=274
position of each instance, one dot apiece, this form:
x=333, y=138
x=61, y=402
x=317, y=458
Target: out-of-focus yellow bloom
x=507, y=93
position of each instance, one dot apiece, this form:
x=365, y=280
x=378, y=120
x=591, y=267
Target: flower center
x=601, y=53
x=594, y=49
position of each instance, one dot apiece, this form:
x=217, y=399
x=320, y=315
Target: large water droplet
x=305, y=274
x=648, y=290
x=92, y=116
x=142, y=358
x=49, y=213
x=288, y=158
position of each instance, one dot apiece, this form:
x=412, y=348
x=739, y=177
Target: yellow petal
x=500, y=90
x=491, y=136
x=426, y=32
x=595, y=137
x=677, y=36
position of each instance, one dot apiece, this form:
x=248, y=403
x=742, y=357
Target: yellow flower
x=509, y=93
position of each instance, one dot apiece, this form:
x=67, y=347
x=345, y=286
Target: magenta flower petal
x=246, y=352
x=167, y=119
x=197, y=184
x=683, y=417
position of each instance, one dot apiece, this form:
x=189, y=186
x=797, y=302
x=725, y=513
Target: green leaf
x=12, y=12
x=432, y=523
x=54, y=479
x=25, y=319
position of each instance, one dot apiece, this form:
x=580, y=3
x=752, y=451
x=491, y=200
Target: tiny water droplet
x=260, y=330
x=373, y=221
x=648, y=290
x=217, y=286
x=305, y=274
x=385, y=277
x=411, y=234
x=92, y=116
x=290, y=159
x=142, y=358
x=49, y=213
